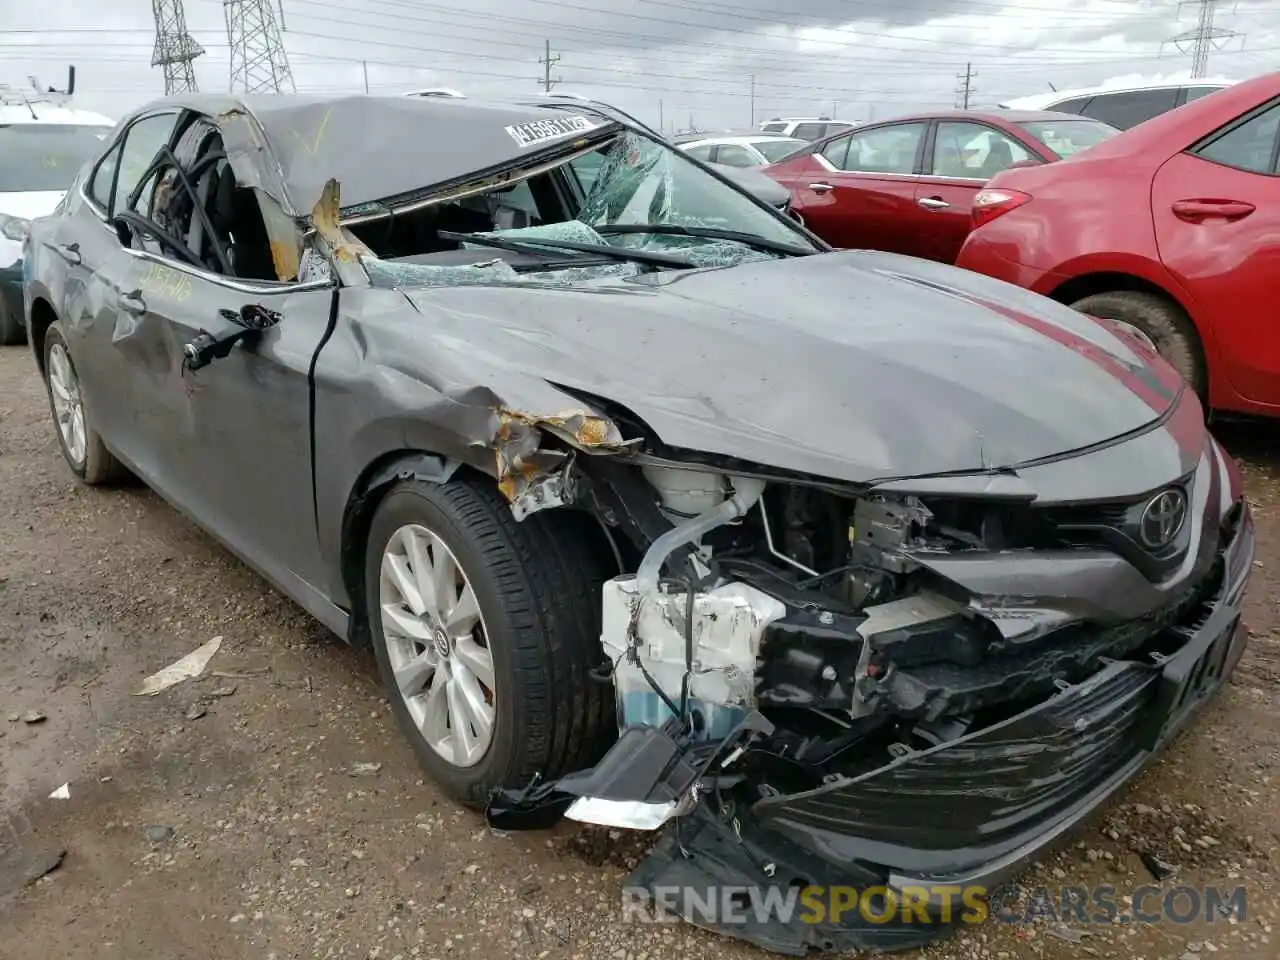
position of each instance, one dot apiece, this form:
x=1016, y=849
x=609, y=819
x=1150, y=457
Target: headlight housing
x=15, y=228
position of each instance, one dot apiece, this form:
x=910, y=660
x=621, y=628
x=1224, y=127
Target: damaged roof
x=382, y=147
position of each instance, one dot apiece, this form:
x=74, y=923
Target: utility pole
x=835, y=109
x=753, y=100
x=1204, y=38
x=662, y=123
x=548, y=61
x=965, y=90
x=175, y=49
x=258, y=60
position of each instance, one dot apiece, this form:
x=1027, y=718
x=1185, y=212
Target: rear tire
x=1166, y=323
x=81, y=445
x=12, y=332
x=535, y=636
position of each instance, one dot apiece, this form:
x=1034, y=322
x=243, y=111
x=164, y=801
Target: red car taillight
x=994, y=202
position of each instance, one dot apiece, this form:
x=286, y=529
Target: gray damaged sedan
x=831, y=568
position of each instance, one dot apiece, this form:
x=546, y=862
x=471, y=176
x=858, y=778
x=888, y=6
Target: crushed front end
x=913, y=686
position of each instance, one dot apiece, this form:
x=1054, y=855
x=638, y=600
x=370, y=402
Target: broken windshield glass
x=631, y=197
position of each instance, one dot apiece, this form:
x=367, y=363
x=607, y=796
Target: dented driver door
x=234, y=434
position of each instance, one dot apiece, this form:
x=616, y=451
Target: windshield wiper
x=707, y=233
x=531, y=245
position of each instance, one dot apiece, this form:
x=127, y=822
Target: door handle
x=933, y=203
x=69, y=252
x=821, y=187
x=1198, y=211
x=133, y=302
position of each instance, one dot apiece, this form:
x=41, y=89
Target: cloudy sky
x=678, y=61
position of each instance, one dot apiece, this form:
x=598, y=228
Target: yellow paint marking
x=312, y=147
x=159, y=280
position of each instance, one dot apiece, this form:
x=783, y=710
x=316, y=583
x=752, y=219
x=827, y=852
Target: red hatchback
x=907, y=185
x=1172, y=227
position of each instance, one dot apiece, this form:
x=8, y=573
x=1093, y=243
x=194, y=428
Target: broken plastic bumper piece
x=651, y=775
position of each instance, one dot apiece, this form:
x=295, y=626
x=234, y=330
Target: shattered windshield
x=641, y=181
x=630, y=206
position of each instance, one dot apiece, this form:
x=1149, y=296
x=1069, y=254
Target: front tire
x=82, y=447
x=1163, y=321
x=485, y=631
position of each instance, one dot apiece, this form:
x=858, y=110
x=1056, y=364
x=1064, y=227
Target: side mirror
x=124, y=232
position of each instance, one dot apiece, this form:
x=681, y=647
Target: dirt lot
x=242, y=816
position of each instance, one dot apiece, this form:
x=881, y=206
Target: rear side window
x=100, y=186
x=1248, y=146
x=778, y=127
x=733, y=155
x=1075, y=105
x=1195, y=93
x=809, y=131
x=1125, y=110
x=973, y=151
x=836, y=151
x=702, y=152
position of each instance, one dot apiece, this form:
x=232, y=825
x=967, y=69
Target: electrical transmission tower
x=174, y=49
x=1204, y=38
x=258, y=61
x=965, y=89
x=548, y=61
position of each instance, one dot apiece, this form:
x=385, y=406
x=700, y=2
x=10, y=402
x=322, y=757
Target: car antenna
x=1051, y=86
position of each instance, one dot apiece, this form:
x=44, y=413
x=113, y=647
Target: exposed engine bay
x=813, y=687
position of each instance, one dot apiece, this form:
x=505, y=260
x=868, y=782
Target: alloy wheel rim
x=68, y=410
x=437, y=645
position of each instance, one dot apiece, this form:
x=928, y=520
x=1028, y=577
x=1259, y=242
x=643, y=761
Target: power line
x=174, y=50
x=647, y=41
x=1204, y=37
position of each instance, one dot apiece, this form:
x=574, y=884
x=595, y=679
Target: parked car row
x=1170, y=226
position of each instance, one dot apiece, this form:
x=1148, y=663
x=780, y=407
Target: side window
x=836, y=151
x=777, y=127
x=141, y=143
x=103, y=176
x=973, y=151
x=733, y=155
x=1075, y=105
x=885, y=150
x=702, y=151
x=1251, y=146
x=809, y=131
x=1125, y=110
x=1195, y=93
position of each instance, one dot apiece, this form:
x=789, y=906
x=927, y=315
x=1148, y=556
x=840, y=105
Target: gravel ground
x=271, y=809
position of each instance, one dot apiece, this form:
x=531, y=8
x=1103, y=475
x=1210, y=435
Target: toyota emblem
x=1162, y=519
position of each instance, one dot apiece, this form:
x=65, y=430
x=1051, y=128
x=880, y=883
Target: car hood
x=29, y=205
x=852, y=365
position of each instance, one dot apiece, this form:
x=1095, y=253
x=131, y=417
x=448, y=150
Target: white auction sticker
x=540, y=131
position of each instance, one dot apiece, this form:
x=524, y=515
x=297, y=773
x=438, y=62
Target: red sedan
x=907, y=185
x=1172, y=227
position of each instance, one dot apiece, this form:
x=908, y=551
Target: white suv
x=805, y=128
x=1121, y=107
x=43, y=144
